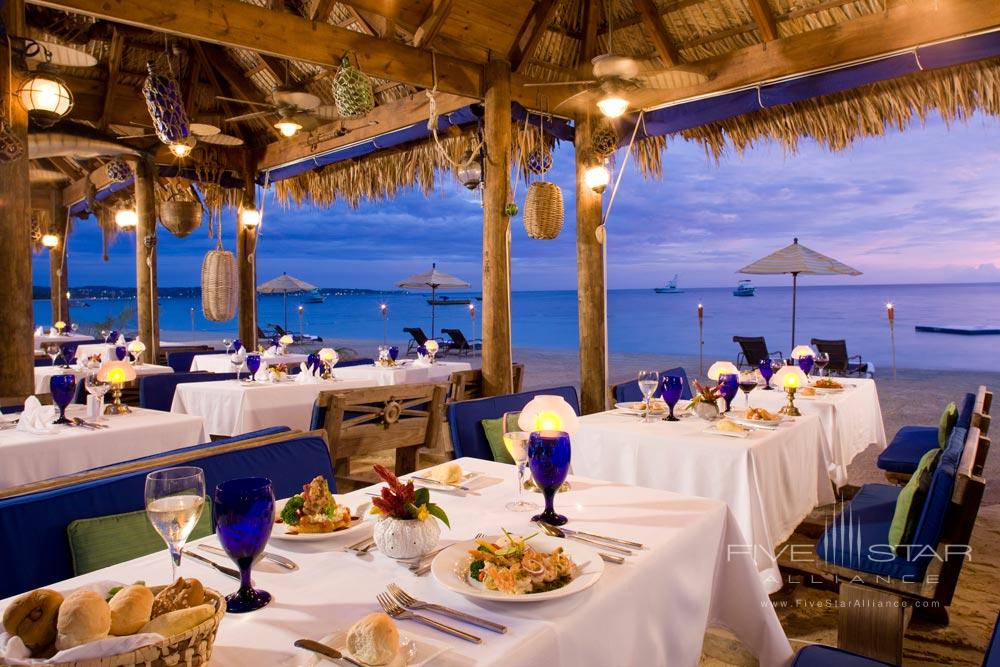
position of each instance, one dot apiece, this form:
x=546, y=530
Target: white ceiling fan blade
x=326, y=112
x=203, y=129
x=672, y=79
x=221, y=140
x=250, y=102
x=248, y=116
x=561, y=83
x=299, y=99
x=582, y=92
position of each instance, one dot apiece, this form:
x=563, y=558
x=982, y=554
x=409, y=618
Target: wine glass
x=312, y=362
x=53, y=350
x=253, y=363
x=548, y=457
x=237, y=345
x=766, y=371
x=63, y=387
x=74, y=327
x=672, y=386
x=821, y=359
x=228, y=343
x=728, y=386
x=806, y=363
x=95, y=386
x=104, y=335
x=648, y=381
x=244, y=515
x=175, y=498
x=516, y=442
x=393, y=353
x=68, y=352
x=748, y=382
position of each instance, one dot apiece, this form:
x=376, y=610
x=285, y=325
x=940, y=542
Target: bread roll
x=181, y=594
x=131, y=608
x=448, y=473
x=32, y=617
x=374, y=640
x=730, y=427
x=175, y=622
x=83, y=617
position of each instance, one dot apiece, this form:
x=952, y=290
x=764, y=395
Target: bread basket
x=192, y=648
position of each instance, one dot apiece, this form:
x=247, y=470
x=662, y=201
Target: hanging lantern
x=218, y=285
x=45, y=97
x=163, y=99
x=470, y=174
x=605, y=140
x=352, y=91
x=543, y=210
x=540, y=160
x=118, y=170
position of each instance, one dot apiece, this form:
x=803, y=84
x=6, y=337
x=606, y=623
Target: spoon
x=555, y=532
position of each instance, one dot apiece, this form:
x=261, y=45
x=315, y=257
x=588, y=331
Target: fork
x=422, y=566
x=391, y=607
x=410, y=602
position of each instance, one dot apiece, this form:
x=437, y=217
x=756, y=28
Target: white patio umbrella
x=435, y=280
x=796, y=259
x=285, y=285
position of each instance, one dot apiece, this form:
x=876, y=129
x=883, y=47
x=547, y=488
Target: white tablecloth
x=771, y=480
x=30, y=458
x=66, y=338
x=852, y=419
x=405, y=373
x=220, y=363
x=231, y=407
x=652, y=611
x=43, y=373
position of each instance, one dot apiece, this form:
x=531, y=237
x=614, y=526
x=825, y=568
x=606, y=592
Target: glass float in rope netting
x=166, y=108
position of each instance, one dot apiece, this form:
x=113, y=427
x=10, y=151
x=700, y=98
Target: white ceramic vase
x=707, y=411
x=410, y=538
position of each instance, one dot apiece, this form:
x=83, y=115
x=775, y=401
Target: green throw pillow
x=494, y=435
x=910, y=503
x=116, y=538
x=948, y=420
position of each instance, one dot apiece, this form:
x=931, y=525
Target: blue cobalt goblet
x=237, y=344
x=63, y=387
x=112, y=336
x=422, y=351
x=548, y=459
x=766, y=372
x=68, y=351
x=729, y=386
x=671, y=387
x=121, y=353
x=806, y=363
x=394, y=353
x=312, y=361
x=244, y=515
x=253, y=363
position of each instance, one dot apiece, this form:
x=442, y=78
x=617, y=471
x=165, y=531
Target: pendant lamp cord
x=621, y=171
x=432, y=123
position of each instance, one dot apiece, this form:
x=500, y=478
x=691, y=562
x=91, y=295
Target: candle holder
x=116, y=373
x=790, y=409
x=117, y=407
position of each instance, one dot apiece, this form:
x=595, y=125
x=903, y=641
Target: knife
x=428, y=480
x=604, y=538
x=286, y=563
x=325, y=651
x=228, y=571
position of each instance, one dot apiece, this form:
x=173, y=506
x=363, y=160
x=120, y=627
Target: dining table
x=61, y=339
x=771, y=479
x=44, y=373
x=652, y=610
x=221, y=363
x=406, y=371
x=31, y=457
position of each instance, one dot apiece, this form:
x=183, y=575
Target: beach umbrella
x=796, y=259
x=435, y=280
x=284, y=285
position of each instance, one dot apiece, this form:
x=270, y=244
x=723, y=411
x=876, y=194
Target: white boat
x=671, y=287
x=744, y=289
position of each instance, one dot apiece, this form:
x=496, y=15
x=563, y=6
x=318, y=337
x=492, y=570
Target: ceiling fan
x=296, y=110
x=616, y=76
x=199, y=131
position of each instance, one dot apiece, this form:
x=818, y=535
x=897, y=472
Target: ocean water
x=641, y=321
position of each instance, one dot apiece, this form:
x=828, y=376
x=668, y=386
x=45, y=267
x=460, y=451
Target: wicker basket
x=180, y=217
x=188, y=649
x=543, y=210
x=219, y=282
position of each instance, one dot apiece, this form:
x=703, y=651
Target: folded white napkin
x=262, y=375
x=422, y=362
x=119, y=341
x=40, y=331
x=272, y=351
x=15, y=653
x=36, y=418
x=53, y=331
x=305, y=375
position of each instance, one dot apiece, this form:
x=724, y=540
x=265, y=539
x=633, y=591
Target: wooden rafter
x=657, y=33
x=191, y=89
x=431, y=25
x=213, y=76
x=241, y=25
x=319, y=10
x=530, y=34
x=115, y=48
x=588, y=47
x=764, y=19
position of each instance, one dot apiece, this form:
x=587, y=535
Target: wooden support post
x=497, y=378
x=16, y=367
x=872, y=622
x=591, y=288
x=58, y=270
x=246, y=256
x=145, y=258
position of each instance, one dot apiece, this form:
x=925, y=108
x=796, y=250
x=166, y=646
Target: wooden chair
x=403, y=418
x=467, y=385
x=753, y=350
x=840, y=362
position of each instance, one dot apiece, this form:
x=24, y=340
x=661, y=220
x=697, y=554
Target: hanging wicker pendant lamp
x=543, y=210
x=219, y=283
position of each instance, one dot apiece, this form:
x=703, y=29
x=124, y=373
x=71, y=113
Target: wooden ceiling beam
x=538, y=21
x=657, y=33
x=213, y=77
x=237, y=24
x=431, y=25
x=764, y=19
x=115, y=48
x=588, y=46
x=319, y=10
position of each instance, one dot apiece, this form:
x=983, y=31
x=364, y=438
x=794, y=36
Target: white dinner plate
x=413, y=651
x=637, y=408
x=737, y=416
x=714, y=430
x=278, y=533
x=450, y=569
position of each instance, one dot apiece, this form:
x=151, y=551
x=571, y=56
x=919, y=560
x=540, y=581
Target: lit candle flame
x=548, y=421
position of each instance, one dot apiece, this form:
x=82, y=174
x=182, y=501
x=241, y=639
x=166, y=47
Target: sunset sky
x=919, y=206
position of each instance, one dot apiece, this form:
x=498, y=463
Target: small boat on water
x=445, y=301
x=314, y=296
x=744, y=289
x=671, y=287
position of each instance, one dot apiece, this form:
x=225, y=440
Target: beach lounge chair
x=468, y=385
x=629, y=391
x=840, y=362
x=879, y=588
x=458, y=343
x=753, y=350
x=417, y=338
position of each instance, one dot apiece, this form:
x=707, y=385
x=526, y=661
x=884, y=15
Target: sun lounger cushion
x=965, y=414
x=911, y=499
x=948, y=420
x=828, y=656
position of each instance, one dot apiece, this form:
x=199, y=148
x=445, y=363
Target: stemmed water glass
x=228, y=343
x=95, y=386
x=63, y=387
x=253, y=363
x=548, y=457
x=74, y=327
x=806, y=363
x=673, y=386
x=648, y=381
x=748, y=382
x=821, y=359
x=516, y=442
x=244, y=516
x=175, y=498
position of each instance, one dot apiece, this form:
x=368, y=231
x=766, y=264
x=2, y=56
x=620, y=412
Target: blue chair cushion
x=181, y=360
x=37, y=522
x=992, y=657
x=629, y=391
x=156, y=392
x=817, y=655
x=965, y=414
x=465, y=418
x=909, y=444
